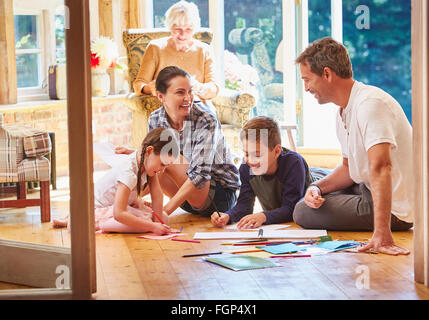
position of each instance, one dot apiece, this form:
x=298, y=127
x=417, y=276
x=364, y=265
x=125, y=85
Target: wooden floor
x=132, y=268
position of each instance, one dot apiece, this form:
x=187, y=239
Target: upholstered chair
x=22, y=159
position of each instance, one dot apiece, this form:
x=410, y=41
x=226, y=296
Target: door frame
x=420, y=117
x=79, y=112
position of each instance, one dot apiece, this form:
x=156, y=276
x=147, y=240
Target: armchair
x=233, y=107
x=22, y=151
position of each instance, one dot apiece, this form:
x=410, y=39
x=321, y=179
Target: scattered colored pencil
x=200, y=254
x=181, y=228
x=261, y=243
x=292, y=256
x=184, y=240
x=254, y=243
x=248, y=251
x=251, y=241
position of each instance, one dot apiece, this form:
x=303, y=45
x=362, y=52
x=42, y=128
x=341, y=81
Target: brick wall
x=111, y=121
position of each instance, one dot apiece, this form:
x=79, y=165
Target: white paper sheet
x=106, y=151
x=269, y=234
x=267, y=227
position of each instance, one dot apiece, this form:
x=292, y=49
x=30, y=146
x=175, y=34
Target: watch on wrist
x=315, y=185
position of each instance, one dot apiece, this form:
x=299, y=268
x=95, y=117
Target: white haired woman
x=181, y=50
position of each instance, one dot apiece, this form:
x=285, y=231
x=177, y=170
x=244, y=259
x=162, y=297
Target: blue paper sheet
x=280, y=248
x=337, y=245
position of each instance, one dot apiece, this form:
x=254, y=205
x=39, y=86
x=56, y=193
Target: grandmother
x=182, y=50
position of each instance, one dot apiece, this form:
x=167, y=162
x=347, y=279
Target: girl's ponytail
x=139, y=175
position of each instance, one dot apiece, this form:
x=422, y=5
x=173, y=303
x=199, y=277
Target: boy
x=276, y=175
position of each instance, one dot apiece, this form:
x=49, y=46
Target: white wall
x=37, y=4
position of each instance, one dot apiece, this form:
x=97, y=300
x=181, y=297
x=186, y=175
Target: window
x=39, y=43
x=380, y=51
x=28, y=50
x=60, y=42
x=161, y=6
x=381, y=54
x=319, y=19
x=253, y=34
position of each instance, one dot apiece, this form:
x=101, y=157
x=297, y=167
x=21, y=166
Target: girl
x=118, y=206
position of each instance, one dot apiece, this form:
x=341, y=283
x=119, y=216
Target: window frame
x=54, y=16
x=36, y=90
x=46, y=12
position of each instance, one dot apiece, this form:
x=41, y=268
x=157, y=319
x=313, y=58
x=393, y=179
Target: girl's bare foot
x=59, y=223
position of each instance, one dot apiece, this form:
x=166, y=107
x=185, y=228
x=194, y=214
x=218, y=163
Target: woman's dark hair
x=153, y=139
x=165, y=75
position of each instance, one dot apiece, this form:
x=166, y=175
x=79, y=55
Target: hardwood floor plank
x=118, y=268
x=296, y=279
x=154, y=269
x=345, y=270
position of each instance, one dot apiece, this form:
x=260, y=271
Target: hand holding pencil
x=219, y=219
x=160, y=228
x=313, y=197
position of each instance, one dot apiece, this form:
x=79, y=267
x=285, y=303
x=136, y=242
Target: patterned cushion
x=36, y=142
x=17, y=142
x=34, y=169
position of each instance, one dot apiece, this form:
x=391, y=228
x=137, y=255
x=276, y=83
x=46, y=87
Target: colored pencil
x=260, y=243
x=251, y=241
x=181, y=228
x=200, y=254
x=157, y=217
x=292, y=256
x=184, y=240
x=247, y=251
x=254, y=243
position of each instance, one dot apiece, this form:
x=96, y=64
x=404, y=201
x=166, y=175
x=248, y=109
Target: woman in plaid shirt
x=205, y=179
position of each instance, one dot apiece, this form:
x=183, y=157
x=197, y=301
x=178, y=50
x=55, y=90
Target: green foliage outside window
x=380, y=55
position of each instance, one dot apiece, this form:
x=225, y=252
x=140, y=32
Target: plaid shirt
x=202, y=143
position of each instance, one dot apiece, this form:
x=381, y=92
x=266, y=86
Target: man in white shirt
x=372, y=188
